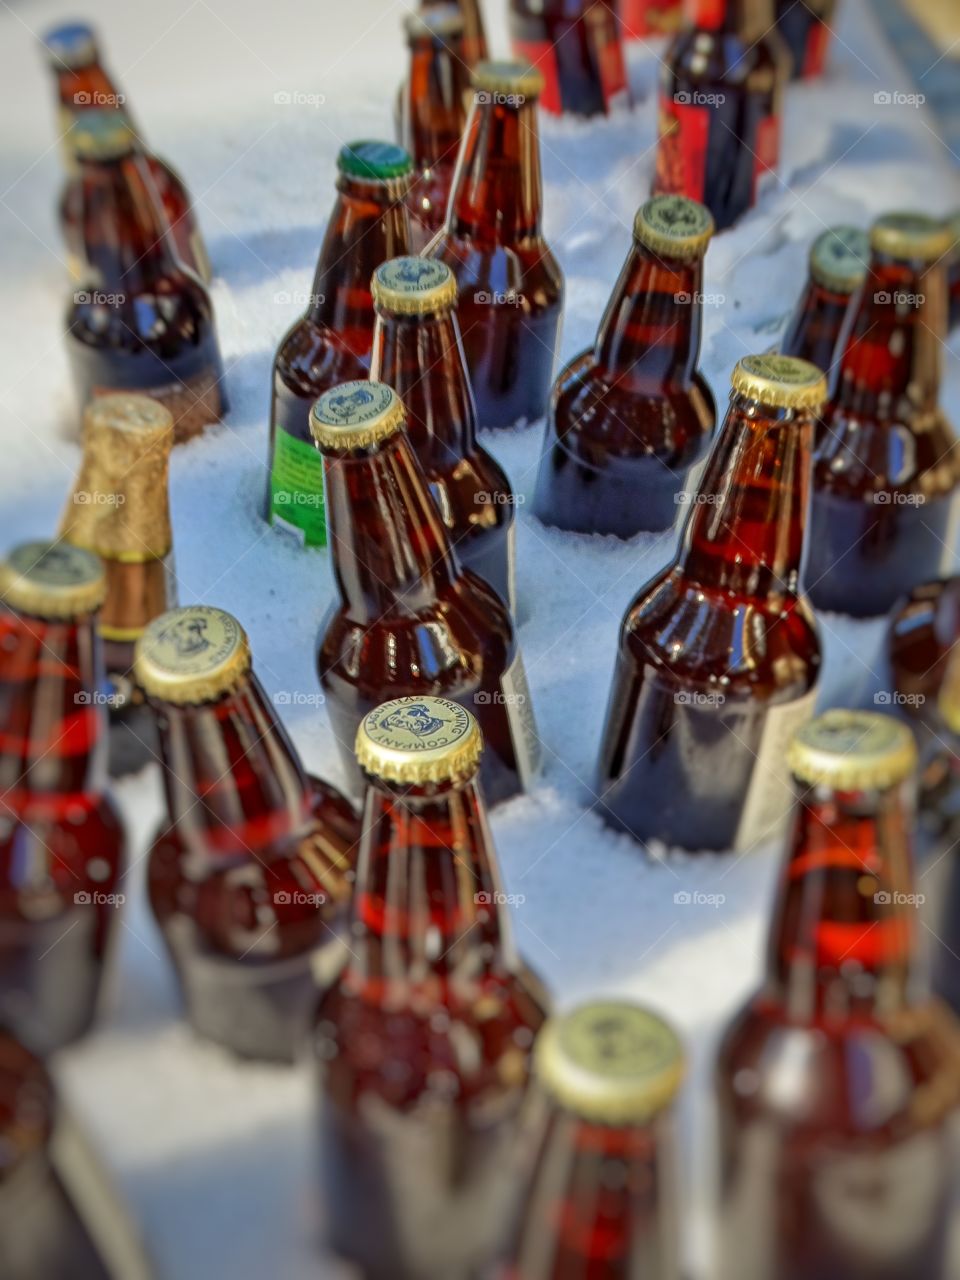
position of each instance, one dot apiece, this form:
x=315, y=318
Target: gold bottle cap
x=356, y=415
x=414, y=286
x=911, y=237
x=517, y=80
x=419, y=740
x=610, y=1061
x=674, y=226
x=101, y=135
x=839, y=258
x=52, y=580
x=439, y=22
x=948, y=702
x=781, y=381
x=191, y=654
x=852, y=751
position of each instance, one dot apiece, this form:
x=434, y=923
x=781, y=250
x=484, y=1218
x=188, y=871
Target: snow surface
x=214, y=1158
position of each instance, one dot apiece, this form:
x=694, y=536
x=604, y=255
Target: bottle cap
x=375, y=161
x=911, y=237
x=101, y=135
x=839, y=258
x=414, y=286
x=512, y=79
x=948, y=702
x=783, y=381
x=419, y=740
x=674, y=226
x=52, y=580
x=610, y=1061
x=852, y=751
x=442, y=21
x=356, y=415
x=72, y=44
x=191, y=654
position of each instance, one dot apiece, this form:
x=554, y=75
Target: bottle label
x=296, y=490
x=815, y=54
x=523, y=728
x=767, y=803
x=767, y=155
x=682, y=151
x=542, y=54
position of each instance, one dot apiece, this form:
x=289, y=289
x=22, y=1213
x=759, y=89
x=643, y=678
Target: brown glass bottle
x=720, y=106
x=417, y=350
x=601, y=1203
x=576, y=47
x=119, y=510
x=511, y=286
x=923, y=631
x=62, y=843
x=718, y=657
x=331, y=342
x=939, y=836
x=838, y=1084
x=475, y=38
x=887, y=465
x=838, y=265
x=804, y=26
x=250, y=871
x=629, y=418
x=83, y=85
x=433, y=112
x=423, y=1047
x=141, y=321
x=953, y=275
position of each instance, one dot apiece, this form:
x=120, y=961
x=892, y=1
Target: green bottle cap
x=375, y=161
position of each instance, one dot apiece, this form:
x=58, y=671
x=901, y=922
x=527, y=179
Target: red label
x=708, y=14
x=766, y=154
x=542, y=55
x=682, y=150
x=815, y=56
x=613, y=71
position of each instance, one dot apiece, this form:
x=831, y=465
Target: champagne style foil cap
x=100, y=135
x=948, y=702
x=839, y=258
x=71, y=44
x=911, y=237
x=782, y=381
x=119, y=506
x=356, y=415
x=375, y=161
x=674, y=226
x=52, y=580
x=512, y=79
x=418, y=740
x=191, y=654
x=852, y=751
x=610, y=1061
x=440, y=22
x=414, y=286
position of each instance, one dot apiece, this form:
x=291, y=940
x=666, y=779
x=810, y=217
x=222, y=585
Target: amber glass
x=887, y=466
x=511, y=286
x=475, y=39
x=805, y=28
x=629, y=419
x=838, y=1083
x=423, y=1048
x=923, y=631
x=720, y=106
x=249, y=874
x=953, y=281
x=814, y=329
x=576, y=46
x=62, y=844
x=718, y=654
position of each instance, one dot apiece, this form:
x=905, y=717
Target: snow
x=214, y=1158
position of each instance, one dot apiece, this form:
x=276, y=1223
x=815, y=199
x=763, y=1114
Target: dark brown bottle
x=475, y=39
x=939, y=836
x=839, y=258
x=511, y=286
x=805, y=28
x=409, y=619
x=923, y=632
x=953, y=274
x=719, y=657
x=887, y=465
x=576, y=46
x=838, y=1084
x=423, y=1047
x=417, y=350
x=250, y=871
x=631, y=417
x=601, y=1203
x=331, y=342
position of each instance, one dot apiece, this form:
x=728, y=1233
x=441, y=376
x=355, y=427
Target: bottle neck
x=391, y=553
x=434, y=101
x=650, y=333
x=749, y=19
x=497, y=193
x=127, y=240
x=745, y=532
x=815, y=327
x=86, y=87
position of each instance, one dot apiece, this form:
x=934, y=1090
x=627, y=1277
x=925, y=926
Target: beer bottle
x=83, y=85
x=718, y=657
x=423, y=1046
x=418, y=351
x=922, y=634
x=887, y=465
x=577, y=49
x=629, y=418
x=119, y=509
x=602, y=1197
x=939, y=802
x=804, y=27
x=331, y=342
x=838, y=265
x=433, y=111
x=250, y=870
x=409, y=619
x=838, y=1083
x=475, y=39
x=511, y=286
x=953, y=274
x=62, y=843
x=639, y=18
x=720, y=104
x=142, y=321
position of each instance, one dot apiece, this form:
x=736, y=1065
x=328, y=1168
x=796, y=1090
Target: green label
x=296, y=490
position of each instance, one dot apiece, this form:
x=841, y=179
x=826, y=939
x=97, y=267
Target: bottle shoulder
x=717, y=58
x=173, y=307
x=902, y=452
x=311, y=358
